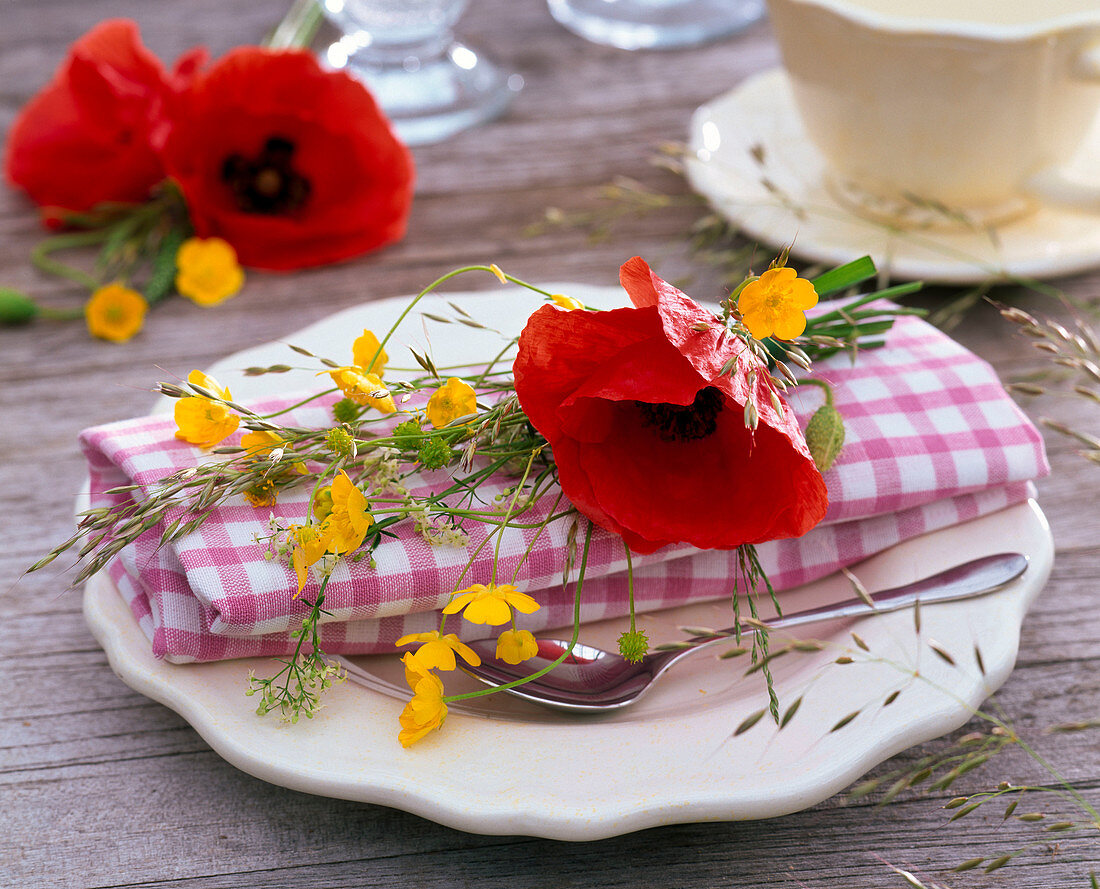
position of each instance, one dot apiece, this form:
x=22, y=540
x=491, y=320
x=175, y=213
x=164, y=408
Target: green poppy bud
x=825, y=436
x=16, y=307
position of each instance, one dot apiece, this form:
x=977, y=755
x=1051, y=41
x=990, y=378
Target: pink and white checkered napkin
x=932, y=440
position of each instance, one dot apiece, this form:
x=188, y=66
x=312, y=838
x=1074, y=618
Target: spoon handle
x=978, y=577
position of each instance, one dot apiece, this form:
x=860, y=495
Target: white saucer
x=727, y=135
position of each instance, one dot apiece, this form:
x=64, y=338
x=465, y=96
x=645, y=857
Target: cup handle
x=1087, y=64
x=1052, y=185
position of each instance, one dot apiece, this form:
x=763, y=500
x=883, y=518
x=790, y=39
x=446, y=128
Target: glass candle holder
x=430, y=85
x=655, y=24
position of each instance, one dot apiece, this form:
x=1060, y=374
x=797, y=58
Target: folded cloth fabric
x=932, y=440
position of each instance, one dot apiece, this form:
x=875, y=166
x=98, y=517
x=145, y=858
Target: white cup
x=945, y=111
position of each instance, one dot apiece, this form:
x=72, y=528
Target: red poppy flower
x=91, y=135
x=649, y=434
x=292, y=165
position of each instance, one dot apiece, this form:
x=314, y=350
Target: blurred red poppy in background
x=649, y=434
x=91, y=135
x=292, y=165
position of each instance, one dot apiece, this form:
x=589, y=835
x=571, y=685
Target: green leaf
x=863, y=789
x=117, y=238
x=964, y=811
x=844, y=721
x=863, y=328
x=848, y=275
x=162, y=277
x=790, y=712
x=903, y=290
x=748, y=722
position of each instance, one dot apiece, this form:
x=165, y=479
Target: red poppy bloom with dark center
x=92, y=134
x=292, y=165
x=649, y=435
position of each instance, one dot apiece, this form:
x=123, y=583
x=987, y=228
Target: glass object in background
x=655, y=24
x=429, y=85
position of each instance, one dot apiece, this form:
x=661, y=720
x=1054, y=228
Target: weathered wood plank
x=102, y=788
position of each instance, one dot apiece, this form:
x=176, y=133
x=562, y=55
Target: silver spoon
x=592, y=680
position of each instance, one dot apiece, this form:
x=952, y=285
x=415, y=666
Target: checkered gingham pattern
x=932, y=440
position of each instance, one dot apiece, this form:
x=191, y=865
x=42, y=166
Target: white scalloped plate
x=506, y=767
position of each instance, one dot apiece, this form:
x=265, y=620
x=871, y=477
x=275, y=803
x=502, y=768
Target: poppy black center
x=685, y=422
x=268, y=182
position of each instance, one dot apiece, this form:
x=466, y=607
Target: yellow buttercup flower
x=363, y=388
x=437, y=652
x=490, y=603
x=427, y=710
x=207, y=271
x=364, y=349
x=566, y=302
x=310, y=543
x=322, y=503
x=450, y=401
x=261, y=442
x=210, y=384
x=414, y=670
x=350, y=518
x=516, y=646
x=775, y=304
x=115, y=313
x=263, y=493
x=202, y=421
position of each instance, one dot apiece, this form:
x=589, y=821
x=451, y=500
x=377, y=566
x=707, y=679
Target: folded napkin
x=932, y=440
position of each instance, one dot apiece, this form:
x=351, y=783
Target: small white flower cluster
x=438, y=530
x=279, y=544
x=522, y=500
x=383, y=471
x=274, y=545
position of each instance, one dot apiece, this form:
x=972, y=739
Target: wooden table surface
x=100, y=786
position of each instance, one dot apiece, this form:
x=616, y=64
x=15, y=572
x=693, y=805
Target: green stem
x=508, y=514
x=551, y=516
x=630, y=585
x=299, y=404
x=1054, y=773
x=297, y=28
x=51, y=314
x=993, y=719
x=481, y=377
x=314, y=615
x=442, y=280
x=43, y=259
x=822, y=385
x=436, y=283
